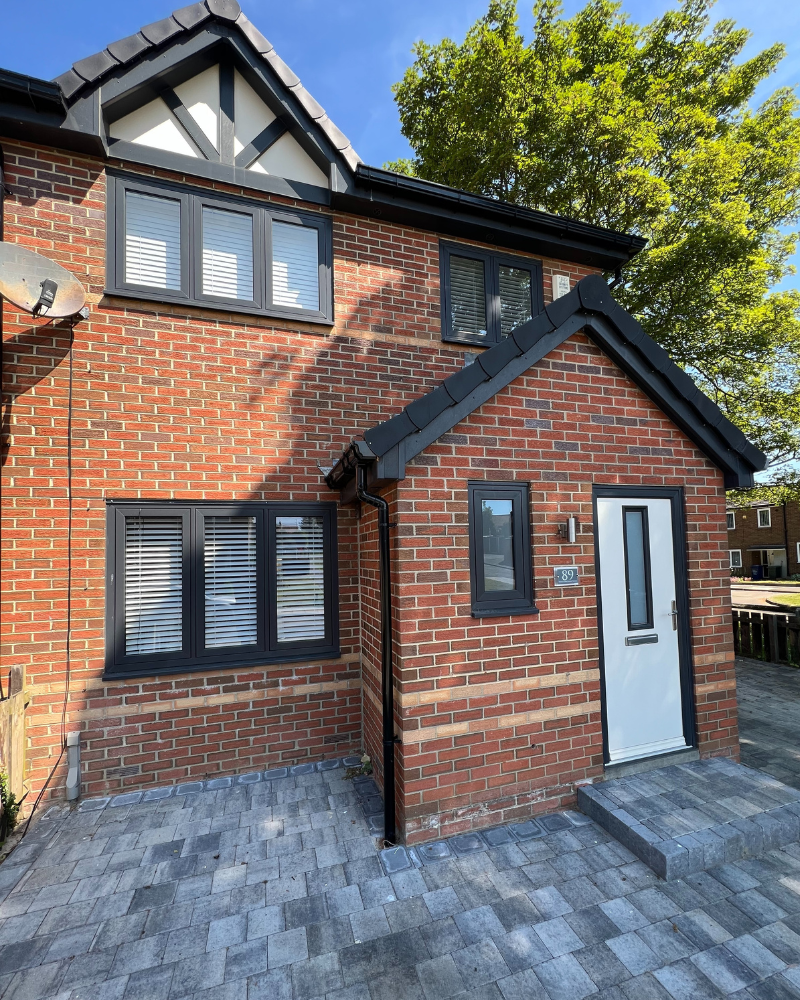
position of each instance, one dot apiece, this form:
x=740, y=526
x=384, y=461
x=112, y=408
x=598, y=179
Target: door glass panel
x=497, y=517
x=515, y=298
x=467, y=296
x=637, y=567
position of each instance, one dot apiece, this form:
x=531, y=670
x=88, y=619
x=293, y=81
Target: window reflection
x=498, y=544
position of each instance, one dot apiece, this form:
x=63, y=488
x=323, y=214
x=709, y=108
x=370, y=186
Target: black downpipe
x=387, y=683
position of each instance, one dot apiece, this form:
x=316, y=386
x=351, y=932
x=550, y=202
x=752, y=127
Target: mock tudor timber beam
x=266, y=138
x=189, y=125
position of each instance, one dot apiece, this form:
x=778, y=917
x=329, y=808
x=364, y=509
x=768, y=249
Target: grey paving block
x=148, y=984
x=190, y=788
x=522, y=948
x=287, y=947
x=565, y=979
x=157, y=794
x=436, y=851
x=602, y=966
x=477, y=924
x=199, y=973
x=497, y=836
x=781, y=941
x=126, y=799
x=440, y=978
x=684, y=981
x=467, y=843
x=276, y=773
x=369, y=924
x=516, y=911
x=480, y=963
x=395, y=859
x=94, y=805
x=329, y=935
x=409, y=883
x=529, y=830
x=136, y=955
x=753, y=953
x=558, y=936
x=300, y=769
x=370, y=959
x=554, y=822
x=724, y=969
x=591, y=925
x=624, y=914
x=442, y=902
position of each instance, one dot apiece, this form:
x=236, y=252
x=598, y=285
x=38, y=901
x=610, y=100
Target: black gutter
x=41, y=95
x=387, y=681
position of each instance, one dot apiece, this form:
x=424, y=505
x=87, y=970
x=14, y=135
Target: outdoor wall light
x=569, y=530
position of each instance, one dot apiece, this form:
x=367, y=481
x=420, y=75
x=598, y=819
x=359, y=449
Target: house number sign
x=566, y=576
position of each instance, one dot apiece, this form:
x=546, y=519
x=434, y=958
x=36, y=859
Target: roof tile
x=495, y=360
x=225, y=10
x=337, y=137
x=94, y=66
x=129, y=48
x=254, y=36
x=527, y=334
x=161, y=31
x=189, y=17
x=284, y=74
x=314, y=108
x=69, y=82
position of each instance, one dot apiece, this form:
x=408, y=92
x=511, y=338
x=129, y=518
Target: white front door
x=640, y=627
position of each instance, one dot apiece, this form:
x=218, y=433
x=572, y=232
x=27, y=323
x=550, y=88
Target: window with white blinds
x=300, y=589
x=227, y=254
x=152, y=241
x=515, y=298
x=153, y=585
x=295, y=266
x=231, y=583
x=468, y=296
x=216, y=251
x=196, y=586
x=486, y=295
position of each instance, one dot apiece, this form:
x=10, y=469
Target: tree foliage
x=645, y=129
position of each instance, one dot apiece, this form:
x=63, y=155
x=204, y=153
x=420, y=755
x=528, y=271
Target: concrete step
x=686, y=818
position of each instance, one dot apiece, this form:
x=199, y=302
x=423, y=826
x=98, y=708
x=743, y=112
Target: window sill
x=515, y=612
x=208, y=305
x=262, y=663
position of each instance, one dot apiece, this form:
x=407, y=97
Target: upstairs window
x=200, y=586
x=485, y=296
x=730, y=518
x=764, y=517
x=168, y=243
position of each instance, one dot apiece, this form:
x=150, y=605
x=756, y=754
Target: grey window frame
x=192, y=201
x=519, y=601
x=492, y=262
x=195, y=657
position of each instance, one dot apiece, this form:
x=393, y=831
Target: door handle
x=674, y=616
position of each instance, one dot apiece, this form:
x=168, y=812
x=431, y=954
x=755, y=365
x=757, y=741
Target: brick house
x=766, y=536
x=339, y=460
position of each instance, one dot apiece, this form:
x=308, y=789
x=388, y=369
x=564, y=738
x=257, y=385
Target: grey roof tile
x=253, y=35
x=189, y=17
x=314, y=108
x=225, y=10
x=95, y=66
x=160, y=31
x=337, y=137
x=69, y=82
x=129, y=48
x=284, y=74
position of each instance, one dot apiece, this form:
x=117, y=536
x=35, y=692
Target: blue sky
x=348, y=53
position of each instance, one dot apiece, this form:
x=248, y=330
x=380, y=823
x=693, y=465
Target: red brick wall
x=502, y=715
x=182, y=403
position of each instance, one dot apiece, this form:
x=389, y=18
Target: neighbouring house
x=764, y=540
x=301, y=376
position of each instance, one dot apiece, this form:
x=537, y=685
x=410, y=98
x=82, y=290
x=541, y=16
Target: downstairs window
x=195, y=586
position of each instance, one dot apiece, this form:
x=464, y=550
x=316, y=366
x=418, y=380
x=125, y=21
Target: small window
x=638, y=585
x=798, y=552
x=730, y=517
x=171, y=243
x=200, y=586
x=486, y=296
x=736, y=558
x=500, y=549
x=764, y=517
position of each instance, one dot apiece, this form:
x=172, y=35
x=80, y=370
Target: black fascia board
x=397, y=440
x=424, y=204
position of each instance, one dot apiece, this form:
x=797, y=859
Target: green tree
x=646, y=129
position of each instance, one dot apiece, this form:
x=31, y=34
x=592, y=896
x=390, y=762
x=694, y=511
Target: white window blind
x=231, y=612
x=153, y=585
x=300, y=596
x=152, y=241
x=227, y=254
x=467, y=296
x=515, y=298
x=295, y=266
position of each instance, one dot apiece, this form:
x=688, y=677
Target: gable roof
x=92, y=70
x=590, y=307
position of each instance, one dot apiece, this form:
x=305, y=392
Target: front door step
x=686, y=818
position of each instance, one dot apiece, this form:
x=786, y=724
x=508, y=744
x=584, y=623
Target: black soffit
x=590, y=307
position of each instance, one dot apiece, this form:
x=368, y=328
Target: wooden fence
x=772, y=636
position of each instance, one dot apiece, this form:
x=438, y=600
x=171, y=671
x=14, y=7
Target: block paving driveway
x=275, y=891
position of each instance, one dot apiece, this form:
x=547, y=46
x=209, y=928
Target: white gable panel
x=251, y=114
x=153, y=125
x=286, y=158
x=200, y=97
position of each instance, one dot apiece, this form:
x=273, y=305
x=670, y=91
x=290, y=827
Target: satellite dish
x=38, y=285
